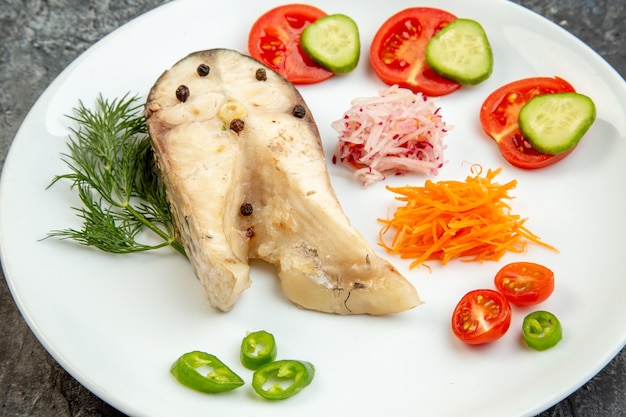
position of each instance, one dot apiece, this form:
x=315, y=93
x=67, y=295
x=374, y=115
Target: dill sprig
x=113, y=170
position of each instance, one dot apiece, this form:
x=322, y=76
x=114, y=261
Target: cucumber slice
x=333, y=42
x=555, y=123
x=461, y=52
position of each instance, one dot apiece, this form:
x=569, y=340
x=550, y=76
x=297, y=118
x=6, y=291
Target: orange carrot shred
x=456, y=219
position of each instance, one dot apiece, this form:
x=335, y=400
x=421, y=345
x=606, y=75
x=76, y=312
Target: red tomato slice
x=481, y=316
x=274, y=39
x=499, y=119
x=398, y=51
x=525, y=283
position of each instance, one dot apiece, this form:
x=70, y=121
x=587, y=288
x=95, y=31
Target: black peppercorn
x=203, y=70
x=237, y=125
x=299, y=111
x=182, y=93
x=250, y=232
x=261, y=75
x=246, y=209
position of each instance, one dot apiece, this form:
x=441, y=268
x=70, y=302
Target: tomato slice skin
x=398, y=50
x=481, y=316
x=274, y=39
x=525, y=283
x=499, y=119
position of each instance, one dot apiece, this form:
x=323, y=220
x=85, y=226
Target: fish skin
x=277, y=164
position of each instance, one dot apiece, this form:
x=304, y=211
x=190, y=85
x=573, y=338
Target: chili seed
x=237, y=125
x=261, y=75
x=246, y=209
x=299, y=111
x=182, y=93
x=203, y=70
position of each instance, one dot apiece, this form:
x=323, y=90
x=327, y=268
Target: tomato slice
x=481, y=316
x=274, y=39
x=525, y=283
x=499, y=119
x=398, y=50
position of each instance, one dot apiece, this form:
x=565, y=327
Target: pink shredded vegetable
x=397, y=132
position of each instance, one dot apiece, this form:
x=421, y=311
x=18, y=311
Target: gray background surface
x=39, y=38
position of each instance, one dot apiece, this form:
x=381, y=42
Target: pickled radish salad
x=397, y=132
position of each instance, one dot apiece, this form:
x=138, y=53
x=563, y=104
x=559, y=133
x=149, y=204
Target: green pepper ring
x=541, y=330
x=220, y=379
x=257, y=349
x=299, y=373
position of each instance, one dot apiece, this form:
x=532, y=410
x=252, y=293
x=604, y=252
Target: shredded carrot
x=455, y=219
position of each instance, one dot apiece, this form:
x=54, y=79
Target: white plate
x=116, y=323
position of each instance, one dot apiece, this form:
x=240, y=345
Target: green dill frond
x=112, y=169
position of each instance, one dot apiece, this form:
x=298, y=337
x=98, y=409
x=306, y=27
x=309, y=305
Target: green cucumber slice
x=555, y=123
x=333, y=42
x=461, y=52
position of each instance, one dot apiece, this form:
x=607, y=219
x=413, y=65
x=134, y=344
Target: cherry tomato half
x=482, y=316
x=398, y=50
x=274, y=39
x=525, y=283
x=499, y=119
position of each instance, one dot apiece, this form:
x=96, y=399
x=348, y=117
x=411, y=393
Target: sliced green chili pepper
x=282, y=379
x=541, y=330
x=204, y=372
x=258, y=348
